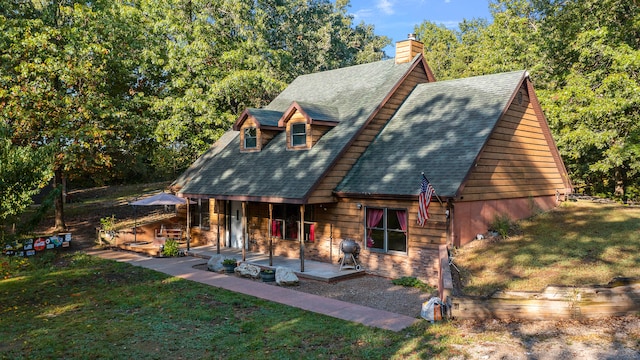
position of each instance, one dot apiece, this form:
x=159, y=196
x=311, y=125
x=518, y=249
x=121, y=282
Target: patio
x=314, y=270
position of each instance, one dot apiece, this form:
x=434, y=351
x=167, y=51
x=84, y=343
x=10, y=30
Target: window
x=199, y=212
x=286, y=222
x=250, y=138
x=299, y=134
x=386, y=230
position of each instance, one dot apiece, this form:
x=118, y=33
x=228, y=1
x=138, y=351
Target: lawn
x=76, y=306
x=579, y=243
x=73, y=306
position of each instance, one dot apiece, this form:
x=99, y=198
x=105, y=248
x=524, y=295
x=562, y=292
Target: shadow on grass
x=78, y=306
x=577, y=244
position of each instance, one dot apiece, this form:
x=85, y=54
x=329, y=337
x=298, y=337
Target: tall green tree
x=592, y=89
x=596, y=114
x=479, y=46
x=218, y=58
x=68, y=81
x=24, y=171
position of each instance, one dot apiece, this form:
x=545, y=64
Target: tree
x=69, y=82
x=217, y=58
x=595, y=114
x=24, y=170
x=440, y=49
x=479, y=47
x=592, y=89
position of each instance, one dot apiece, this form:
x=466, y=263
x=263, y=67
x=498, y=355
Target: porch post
x=270, y=234
x=217, y=208
x=188, y=227
x=301, y=237
x=244, y=230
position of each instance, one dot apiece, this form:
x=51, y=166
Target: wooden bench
x=162, y=235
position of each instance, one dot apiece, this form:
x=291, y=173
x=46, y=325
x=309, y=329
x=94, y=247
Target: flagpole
x=434, y=190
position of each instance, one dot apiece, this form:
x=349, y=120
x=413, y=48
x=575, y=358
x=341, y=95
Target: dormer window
x=257, y=127
x=305, y=125
x=250, y=138
x=299, y=134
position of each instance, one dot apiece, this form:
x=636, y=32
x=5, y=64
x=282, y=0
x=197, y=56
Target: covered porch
x=314, y=270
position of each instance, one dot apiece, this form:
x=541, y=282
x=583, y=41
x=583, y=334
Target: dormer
x=257, y=127
x=305, y=124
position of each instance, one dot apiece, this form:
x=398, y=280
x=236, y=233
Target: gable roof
x=325, y=113
x=277, y=175
x=440, y=130
x=263, y=117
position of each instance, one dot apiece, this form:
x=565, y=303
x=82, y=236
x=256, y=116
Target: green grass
x=77, y=306
x=579, y=243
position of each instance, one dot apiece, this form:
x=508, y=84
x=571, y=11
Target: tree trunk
x=620, y=180
x=58, y=183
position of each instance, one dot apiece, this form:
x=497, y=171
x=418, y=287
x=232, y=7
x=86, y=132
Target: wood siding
x=406, y=50
x=298, y=118
x=324, y=192
x=264, y=136
x=517, y=160
x=250, y=122
x=317, y=131
x=338, y=221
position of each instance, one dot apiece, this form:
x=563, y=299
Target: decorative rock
x=215, y=263
x=286, y=277
x=248, y=270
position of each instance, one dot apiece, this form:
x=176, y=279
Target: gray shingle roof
x=353, y=93
x=439, y=130
x=320, y=112
x=266, y=117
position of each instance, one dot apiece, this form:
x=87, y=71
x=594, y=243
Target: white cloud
x=386, y=6
x=362, y=14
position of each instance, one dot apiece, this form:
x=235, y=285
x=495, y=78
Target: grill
x=350, y=250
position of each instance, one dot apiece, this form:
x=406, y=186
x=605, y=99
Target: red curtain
x=276, y=228
x=373, y=218
x=402, y=219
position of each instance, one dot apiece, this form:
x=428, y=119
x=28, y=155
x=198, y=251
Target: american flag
x=426, y=191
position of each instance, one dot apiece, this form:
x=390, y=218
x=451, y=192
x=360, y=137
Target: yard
x=581, y=242
x=76, y=306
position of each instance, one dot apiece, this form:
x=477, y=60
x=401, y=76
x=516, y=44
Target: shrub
x=229, y=261
x=108, y=223
x=410, y=281
x=502, y=224
x=171, y=248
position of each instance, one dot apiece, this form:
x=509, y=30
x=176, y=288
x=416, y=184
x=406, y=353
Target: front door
x=235, y=218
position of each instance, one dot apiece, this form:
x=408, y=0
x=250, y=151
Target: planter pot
x=229, y=268
x=268, y=277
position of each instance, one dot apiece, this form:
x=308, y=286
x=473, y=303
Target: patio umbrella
x=158, y=199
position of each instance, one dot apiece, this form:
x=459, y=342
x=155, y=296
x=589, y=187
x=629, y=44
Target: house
x=340, y=154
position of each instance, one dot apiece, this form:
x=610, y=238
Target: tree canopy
x=128, y=91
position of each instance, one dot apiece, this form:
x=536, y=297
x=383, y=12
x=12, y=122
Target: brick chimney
x=406, y=50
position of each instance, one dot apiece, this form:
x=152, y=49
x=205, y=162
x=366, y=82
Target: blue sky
x=397, y=18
